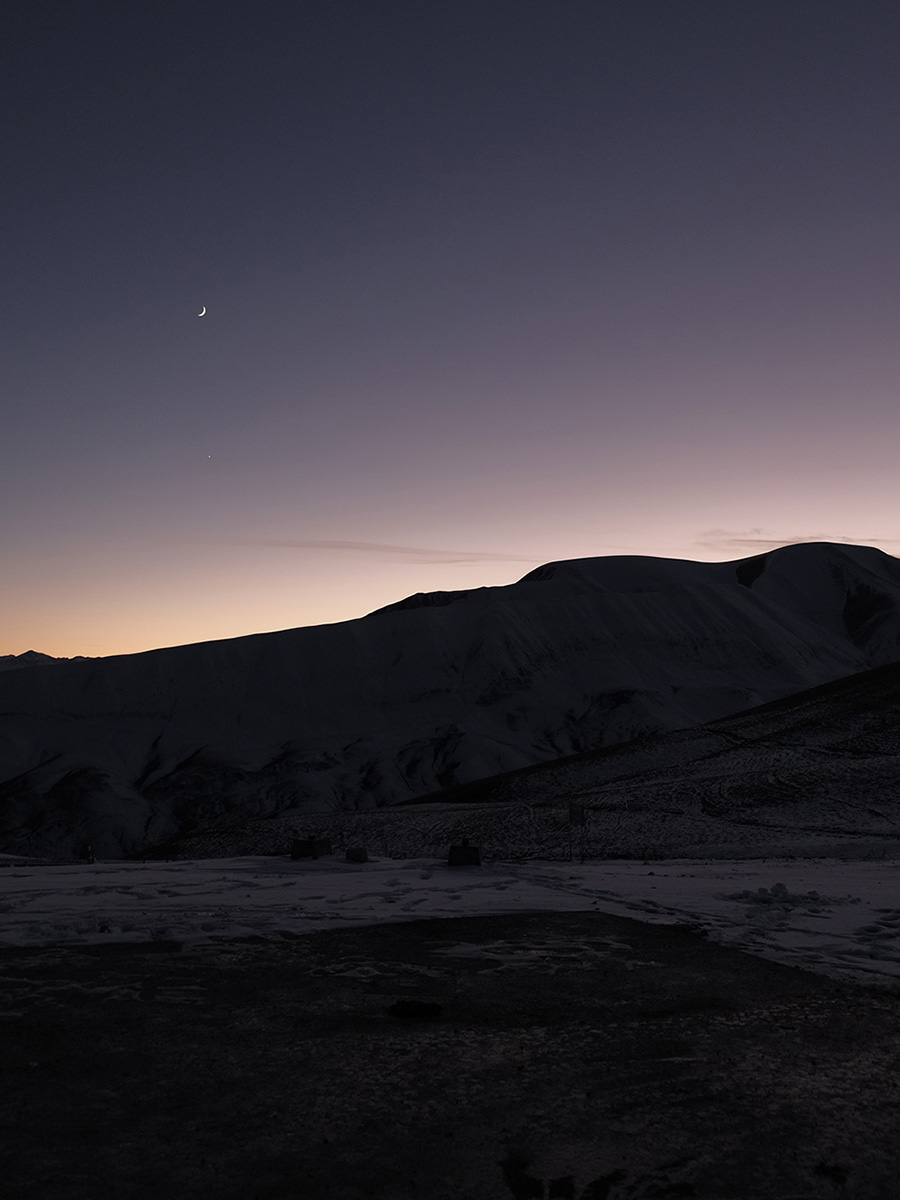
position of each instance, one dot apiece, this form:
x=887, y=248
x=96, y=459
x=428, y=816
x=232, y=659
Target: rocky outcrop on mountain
x=125, y=752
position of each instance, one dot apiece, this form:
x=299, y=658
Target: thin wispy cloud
x=757, y=541
x=418, y=554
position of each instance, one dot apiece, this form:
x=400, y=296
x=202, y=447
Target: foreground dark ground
x=582, y=1056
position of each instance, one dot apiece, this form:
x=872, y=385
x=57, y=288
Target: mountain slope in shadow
x=432, y=692
x=821, y=766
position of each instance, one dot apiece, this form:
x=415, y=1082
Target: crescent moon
x=202, y=312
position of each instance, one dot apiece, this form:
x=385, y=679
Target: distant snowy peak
x=31, y=658
x=34, y=658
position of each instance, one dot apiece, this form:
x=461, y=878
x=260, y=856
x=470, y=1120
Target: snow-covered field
x=836, y=917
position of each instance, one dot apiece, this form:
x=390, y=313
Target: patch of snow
x=836, y=917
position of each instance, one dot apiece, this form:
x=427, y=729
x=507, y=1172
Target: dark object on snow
x=310, y=847
x=86, y=852
x=464, y=855
x=357, y=854
x=418, y=1010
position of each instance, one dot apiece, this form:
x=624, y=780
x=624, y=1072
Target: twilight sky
x=488, y=283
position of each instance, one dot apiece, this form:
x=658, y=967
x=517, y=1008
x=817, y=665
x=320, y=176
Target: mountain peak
x=455, y=687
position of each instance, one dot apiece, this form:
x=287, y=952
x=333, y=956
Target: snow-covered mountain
x=433, y=691
x=30, y=658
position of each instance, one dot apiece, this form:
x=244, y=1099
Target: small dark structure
x=416, y=1010
x=357, y=854
x=310, y=847
x=464, y=855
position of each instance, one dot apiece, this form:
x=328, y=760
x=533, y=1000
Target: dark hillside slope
x=821, y=765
